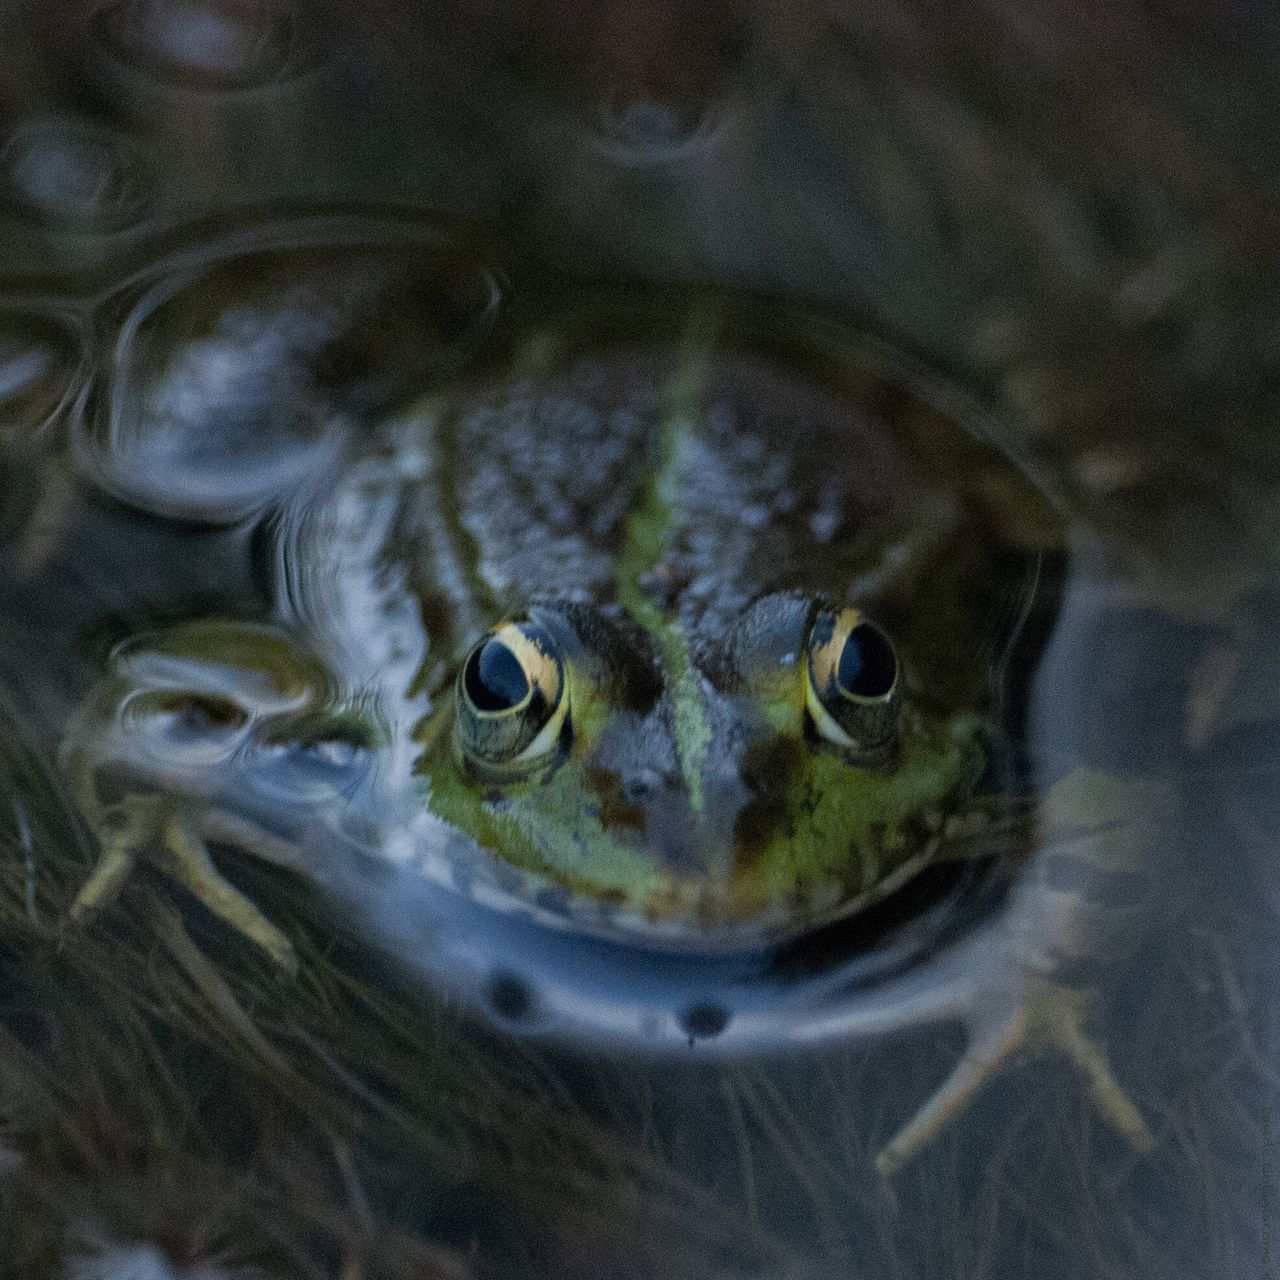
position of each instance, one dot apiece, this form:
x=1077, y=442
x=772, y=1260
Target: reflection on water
x=74, y=174
x=233, y=374
x=217, y=45
x=545, y=960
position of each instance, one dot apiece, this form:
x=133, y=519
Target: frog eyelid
x=544, y=743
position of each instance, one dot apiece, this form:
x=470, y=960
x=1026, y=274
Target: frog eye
x=185, y=725
x=512, y=697
x=851, y=684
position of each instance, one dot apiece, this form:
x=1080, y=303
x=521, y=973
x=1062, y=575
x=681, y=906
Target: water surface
x=234, y=237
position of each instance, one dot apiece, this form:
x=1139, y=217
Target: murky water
x=332, y=337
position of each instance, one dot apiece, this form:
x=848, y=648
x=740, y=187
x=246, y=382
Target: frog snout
x=723, y=789
x=693, y=839
x=724, y=795
x=641, y=785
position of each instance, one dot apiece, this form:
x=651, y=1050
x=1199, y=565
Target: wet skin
x=650, y=669
x=707, y=642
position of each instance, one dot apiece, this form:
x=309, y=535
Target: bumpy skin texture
x=640, y=500
x=1072, y=210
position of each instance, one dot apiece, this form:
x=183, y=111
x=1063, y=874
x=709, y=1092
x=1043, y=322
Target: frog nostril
x=639, y=786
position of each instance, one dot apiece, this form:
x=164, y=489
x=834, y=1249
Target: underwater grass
x=159, y=1082
x=333, y=1112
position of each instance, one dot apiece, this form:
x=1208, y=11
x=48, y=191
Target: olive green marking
x=648, y=533
x=542, y=826
x=827, y=820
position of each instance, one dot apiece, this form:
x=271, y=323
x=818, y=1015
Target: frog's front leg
x=1042, y=1015
x=1010, y=985
x=154, y=828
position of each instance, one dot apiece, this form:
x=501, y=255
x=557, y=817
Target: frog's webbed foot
x=150, y=827
x=1074, y=903
x=1044, y=1015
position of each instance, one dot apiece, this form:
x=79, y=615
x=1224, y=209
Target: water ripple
x=210, y=45
x=246, y=369
x=74, y=175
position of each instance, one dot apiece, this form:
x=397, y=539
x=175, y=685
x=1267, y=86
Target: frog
x=694, y=645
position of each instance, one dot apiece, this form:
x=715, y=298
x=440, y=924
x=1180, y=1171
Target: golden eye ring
x=512, y=698
x=853, y=685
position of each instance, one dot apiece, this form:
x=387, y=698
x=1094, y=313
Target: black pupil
x=202, y=714
x=494, y=679
x=867, y=665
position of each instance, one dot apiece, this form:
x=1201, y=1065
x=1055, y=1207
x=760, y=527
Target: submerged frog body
x=689, y=645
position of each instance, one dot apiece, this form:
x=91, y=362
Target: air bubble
x=509, y=997
x=211, y=45
x=651, y=131
x=75, y=175
x=233, y=381
x=704, y=1021
x=670, y=85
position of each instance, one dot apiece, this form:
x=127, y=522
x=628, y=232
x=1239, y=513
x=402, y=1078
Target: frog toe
x=992, y=1041
x=1047, y=1015
x=187, y=860
x=104, y=883
x=1067, y=1032
x=146, y=827
x=124, y=834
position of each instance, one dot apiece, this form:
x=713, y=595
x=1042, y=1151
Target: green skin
x=748, y=816
x=823, y=834
x=836, y=833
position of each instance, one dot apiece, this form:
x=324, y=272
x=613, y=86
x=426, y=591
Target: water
x=236, y=237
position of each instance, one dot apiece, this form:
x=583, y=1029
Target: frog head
x=773, y=774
